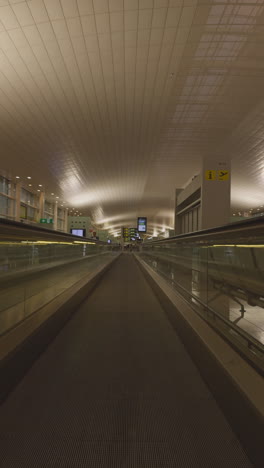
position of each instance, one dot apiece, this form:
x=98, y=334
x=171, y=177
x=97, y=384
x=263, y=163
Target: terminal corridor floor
x=116, y=389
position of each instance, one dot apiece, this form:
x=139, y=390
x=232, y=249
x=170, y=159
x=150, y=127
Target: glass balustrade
x=36, y=266
x=221, y=274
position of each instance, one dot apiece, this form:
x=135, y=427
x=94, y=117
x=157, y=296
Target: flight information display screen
x=78, y=232
x=142, y=224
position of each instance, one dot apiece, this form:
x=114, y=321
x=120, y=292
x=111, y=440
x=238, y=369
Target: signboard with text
x=130, y=234
x=46, y=221
x=142, y=225
x=216, y=175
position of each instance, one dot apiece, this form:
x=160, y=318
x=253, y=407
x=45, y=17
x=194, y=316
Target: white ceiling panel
x=112, y=104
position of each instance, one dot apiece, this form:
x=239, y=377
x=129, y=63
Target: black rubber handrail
x=243, y=227
x=16, y=228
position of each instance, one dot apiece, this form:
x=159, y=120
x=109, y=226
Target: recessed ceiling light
x=30, y=185
x=38, y=190
x=17, y=177
x=52, y=193
x=40, y=185
x=28, y=177
x=57, y=197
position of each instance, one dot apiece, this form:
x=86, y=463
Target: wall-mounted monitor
x=78, y=232
x=142, y=224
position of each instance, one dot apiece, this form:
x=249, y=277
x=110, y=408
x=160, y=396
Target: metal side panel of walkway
x=116, y=388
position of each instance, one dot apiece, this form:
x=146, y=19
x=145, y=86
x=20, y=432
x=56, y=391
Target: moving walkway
x=108, y=382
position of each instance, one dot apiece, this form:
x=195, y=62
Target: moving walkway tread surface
x=116, y=388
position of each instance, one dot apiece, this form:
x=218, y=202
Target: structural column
x=55, y=215
x=41, y=204
x=215, y=193
x=65, y=228
x=122, y=238
x=17, y=206
x=215, y=211
x=12, y=202
x=177, y=227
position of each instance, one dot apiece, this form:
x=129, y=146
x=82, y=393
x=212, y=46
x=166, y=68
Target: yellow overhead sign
x=223, y=175
x=216, y=175
x=210, y=175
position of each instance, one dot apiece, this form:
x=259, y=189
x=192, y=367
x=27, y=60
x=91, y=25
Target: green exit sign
x=46, y=221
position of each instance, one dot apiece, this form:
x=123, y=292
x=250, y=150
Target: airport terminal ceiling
x=112, y=104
